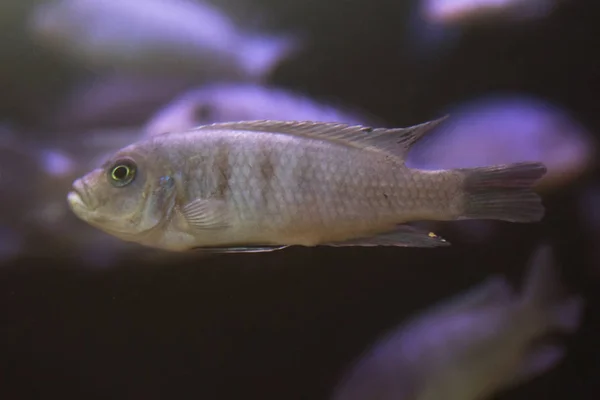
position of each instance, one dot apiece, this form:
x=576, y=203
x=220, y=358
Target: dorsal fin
x=395, y=141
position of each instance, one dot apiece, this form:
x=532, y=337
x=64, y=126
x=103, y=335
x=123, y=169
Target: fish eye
x=122, y=173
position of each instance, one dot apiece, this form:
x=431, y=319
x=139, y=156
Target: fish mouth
x=79, y=198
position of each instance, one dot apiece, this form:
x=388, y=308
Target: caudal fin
x=503, y=192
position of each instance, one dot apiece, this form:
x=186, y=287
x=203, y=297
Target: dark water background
x=284, y=325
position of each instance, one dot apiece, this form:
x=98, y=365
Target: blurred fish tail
x=544, y=309
x=544, y=293
x=503, y=192
x=262, y=54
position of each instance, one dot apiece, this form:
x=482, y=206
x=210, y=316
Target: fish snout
x=80, y=196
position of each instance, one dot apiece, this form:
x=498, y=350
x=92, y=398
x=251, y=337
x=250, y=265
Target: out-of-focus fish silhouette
x=225, y=102
x=504, y=129
x=154, y=36
x=114, y=101
x=484, y=341
x=437, y=25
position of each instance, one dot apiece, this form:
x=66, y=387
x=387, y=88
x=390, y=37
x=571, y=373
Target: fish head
x=129, y=196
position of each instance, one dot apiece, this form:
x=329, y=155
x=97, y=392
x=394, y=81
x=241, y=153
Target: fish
x=268, y=184
x=436, y=26
x=472, y=346
x=149, y=37
x=226, y=102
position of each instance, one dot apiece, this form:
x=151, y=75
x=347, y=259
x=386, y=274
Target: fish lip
x=75, y=201
x=79, y=196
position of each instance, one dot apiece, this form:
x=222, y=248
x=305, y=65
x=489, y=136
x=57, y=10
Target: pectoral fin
x=206, y=214
x=403, y=236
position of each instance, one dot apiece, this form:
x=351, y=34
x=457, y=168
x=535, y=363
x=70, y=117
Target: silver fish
x=157, y=37
x=269, y=184
x=225, y=102
x=471, y=347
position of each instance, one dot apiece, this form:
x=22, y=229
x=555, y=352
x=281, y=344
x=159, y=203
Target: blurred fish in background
x=158, y=37
x=436, y=26
x=472, y=346
x=507, y=128
x=226, y=102
x=497, y=129
x=114, y=101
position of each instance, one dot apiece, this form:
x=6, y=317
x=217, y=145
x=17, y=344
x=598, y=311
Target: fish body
x=278, y=183
x=481, y=342
x=225, y=102
x=152, y=36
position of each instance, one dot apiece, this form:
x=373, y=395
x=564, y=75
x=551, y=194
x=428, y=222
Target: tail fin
x=262, y=54
x=543, y=291
x=503, y=192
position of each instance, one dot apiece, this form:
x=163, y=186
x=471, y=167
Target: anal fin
x=402, y=236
